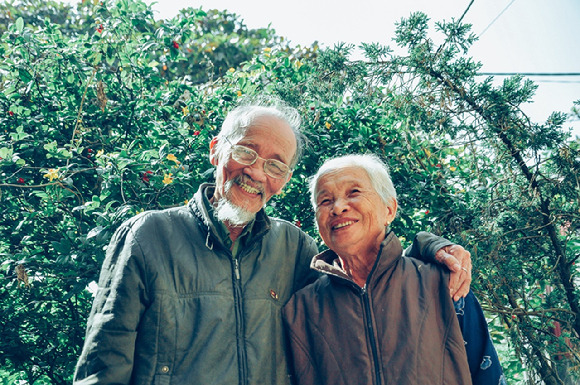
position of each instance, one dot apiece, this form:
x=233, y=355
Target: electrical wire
x=529, y=74
x=497, y=17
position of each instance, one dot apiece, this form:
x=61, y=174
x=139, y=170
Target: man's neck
x=235, y=231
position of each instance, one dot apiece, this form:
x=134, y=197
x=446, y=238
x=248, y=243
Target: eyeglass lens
x=247, y=156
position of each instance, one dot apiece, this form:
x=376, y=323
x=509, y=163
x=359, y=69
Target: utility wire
x=529, y=73
x=497, y=17
x=458, y=22
x=465, y=12
x=559, y=81
x=541, y=75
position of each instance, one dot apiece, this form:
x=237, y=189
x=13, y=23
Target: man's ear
x=212, y=151
x=281, y=188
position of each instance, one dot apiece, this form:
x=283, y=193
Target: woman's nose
x=340, y=205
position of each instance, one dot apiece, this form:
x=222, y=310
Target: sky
x=515, y=36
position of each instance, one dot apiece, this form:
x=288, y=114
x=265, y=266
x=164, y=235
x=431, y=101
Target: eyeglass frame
x=257, y=156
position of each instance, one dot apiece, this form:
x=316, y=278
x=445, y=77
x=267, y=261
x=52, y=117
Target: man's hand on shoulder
x=458, y=261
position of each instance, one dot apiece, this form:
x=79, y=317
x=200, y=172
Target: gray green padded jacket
x=174, y=307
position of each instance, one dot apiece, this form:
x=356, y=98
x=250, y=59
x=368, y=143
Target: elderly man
x=376, y=317
x=192, y=295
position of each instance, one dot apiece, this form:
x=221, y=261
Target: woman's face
x=351, y=215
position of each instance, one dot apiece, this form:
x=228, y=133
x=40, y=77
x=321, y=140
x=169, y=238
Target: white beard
x=226, y=211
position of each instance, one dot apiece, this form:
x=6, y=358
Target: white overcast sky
x=524, y=36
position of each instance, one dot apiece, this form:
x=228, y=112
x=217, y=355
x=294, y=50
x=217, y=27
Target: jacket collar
x=390, y=252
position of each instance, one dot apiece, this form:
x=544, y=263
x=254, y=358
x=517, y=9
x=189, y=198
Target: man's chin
x=235, y=215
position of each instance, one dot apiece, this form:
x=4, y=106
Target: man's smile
x=249, y=189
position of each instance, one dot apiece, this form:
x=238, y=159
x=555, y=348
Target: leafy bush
x=106, y=112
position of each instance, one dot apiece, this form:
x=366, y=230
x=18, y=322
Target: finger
x=463, y=289
x=462, y=255
x=454, y=282
x=460, y=280
x=449, y=261
x=441, y=255
x=464, y=281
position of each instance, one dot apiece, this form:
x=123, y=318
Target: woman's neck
x=358, y=268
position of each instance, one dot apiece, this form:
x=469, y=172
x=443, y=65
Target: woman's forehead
x=342, y=177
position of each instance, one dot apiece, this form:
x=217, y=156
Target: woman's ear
x=391, y=212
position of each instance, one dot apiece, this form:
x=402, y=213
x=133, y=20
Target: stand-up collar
x=390, y=251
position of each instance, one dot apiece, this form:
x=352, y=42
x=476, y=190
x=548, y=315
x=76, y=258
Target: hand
x=458, y=260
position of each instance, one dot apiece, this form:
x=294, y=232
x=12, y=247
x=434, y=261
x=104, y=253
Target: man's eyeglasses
x=248, y=157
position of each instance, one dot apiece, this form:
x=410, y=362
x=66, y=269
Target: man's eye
x=324, y=202
x=277, y=167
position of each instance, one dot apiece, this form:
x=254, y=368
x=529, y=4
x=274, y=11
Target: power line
x=529, y=73
x=497, y=17
x=559, y=81
x=465, y=12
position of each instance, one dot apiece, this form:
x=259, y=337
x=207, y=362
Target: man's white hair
x=241, y=118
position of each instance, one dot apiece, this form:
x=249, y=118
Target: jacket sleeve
x=304, y=274
x=425, y=245
x=107, y=354
x=482, y=357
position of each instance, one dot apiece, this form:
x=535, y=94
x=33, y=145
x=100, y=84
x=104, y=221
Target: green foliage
x=94, y=129
x=106, y=112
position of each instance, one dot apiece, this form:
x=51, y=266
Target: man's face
x=249, y=187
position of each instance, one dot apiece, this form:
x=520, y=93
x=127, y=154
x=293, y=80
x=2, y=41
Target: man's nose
x=256, y=170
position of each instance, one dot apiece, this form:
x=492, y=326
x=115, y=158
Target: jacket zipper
x=369, y=325
x=240, y=326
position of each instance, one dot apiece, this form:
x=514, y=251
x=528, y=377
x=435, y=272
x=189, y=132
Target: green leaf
x=95, y=232
x=24, y=75
x=6, y=153
x=19, y=25
x=50, y=147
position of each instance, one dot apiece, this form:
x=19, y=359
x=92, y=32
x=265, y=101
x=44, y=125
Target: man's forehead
x=271, y=132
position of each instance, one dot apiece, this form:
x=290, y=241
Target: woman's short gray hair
x=241, y=118
x=376, y=169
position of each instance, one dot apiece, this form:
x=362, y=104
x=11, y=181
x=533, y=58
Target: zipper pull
x=208, y=244
x=237, y=268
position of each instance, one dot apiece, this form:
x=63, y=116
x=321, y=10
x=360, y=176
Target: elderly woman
x=376, y=316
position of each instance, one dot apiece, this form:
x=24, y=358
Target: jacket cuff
x=425, y=245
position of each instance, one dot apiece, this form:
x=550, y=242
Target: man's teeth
x=342, y=224
x=249, y=189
